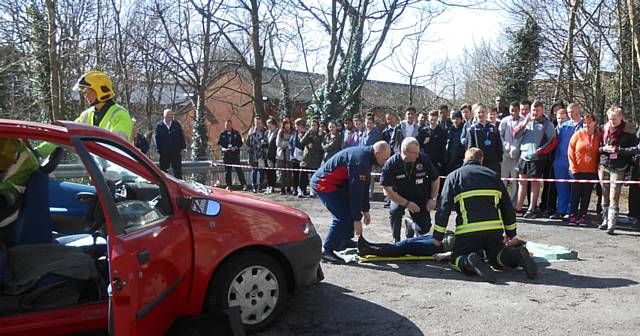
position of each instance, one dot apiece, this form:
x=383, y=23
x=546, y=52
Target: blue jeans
x=342, y=225
x=416, y=246
x=256, y=178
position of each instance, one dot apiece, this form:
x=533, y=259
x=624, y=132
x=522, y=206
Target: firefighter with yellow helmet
x=104, y=111
x=17, y=163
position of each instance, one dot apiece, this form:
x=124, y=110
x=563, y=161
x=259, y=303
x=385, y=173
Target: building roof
x=374, y=93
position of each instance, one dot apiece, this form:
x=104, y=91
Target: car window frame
x=85, y=151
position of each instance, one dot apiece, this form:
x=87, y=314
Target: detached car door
x=149, y=239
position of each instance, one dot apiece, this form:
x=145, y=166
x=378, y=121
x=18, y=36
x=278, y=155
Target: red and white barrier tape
x=216, y=164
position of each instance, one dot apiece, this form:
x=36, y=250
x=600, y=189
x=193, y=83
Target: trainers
x=332, y=258
x=610, y=232
x=481, y=267
x=528, y=265
x=245, y=188
x=228, y=188
x=603, y=226
x=583, y=221
x=573, y=219
x=408, y=224
x=530, y=215
x=556, y=216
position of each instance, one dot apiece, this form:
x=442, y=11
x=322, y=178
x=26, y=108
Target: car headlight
x=309, y=229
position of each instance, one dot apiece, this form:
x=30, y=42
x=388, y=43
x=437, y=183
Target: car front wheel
x=254, y=282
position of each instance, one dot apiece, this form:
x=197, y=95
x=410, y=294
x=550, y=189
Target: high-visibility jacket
x=480, y=200
x=13, y=183
x=116, y=120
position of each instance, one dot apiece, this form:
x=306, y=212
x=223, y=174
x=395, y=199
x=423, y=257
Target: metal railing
x=214, y=174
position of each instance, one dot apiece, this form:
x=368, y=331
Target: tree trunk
x=53, y=61
x=567, y=56
x=258, y=54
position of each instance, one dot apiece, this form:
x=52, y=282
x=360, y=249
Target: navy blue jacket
x=349, y=172
x=169, y=141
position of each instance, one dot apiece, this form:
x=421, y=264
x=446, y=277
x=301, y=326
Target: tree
x=40, y=67
x=357, y=32
x=521, y=62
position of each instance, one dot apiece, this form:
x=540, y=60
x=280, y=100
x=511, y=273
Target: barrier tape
x=216, y=164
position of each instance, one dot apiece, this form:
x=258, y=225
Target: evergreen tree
x=521, y=62
x=39, y=69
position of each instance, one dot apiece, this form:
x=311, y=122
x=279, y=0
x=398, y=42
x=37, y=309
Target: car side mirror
x=199, y=205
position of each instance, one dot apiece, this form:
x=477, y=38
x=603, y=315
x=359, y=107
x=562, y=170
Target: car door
x=149, y=240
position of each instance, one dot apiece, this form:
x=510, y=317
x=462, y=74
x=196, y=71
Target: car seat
x=33, y=225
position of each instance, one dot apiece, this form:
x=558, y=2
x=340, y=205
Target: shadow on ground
x=319, y=305
x=547, y=276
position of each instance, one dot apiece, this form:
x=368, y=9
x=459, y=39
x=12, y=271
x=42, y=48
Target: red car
x=153, y=248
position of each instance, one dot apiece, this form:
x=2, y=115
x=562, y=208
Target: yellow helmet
x=99, y=82
x=8, y=152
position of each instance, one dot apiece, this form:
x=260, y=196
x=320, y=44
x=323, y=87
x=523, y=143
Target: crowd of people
x=520, y=142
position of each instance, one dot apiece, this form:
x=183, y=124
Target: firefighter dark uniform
x=484, y=213
x=230, y=139
x=433, y=142
x=487, y=138
x=413, y=182
x=342, y=184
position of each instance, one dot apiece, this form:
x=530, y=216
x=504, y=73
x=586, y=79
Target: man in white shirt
x=409, y=126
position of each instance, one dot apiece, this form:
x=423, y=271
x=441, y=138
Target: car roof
x=62, y=129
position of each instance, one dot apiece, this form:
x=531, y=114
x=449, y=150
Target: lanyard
x=410, y=170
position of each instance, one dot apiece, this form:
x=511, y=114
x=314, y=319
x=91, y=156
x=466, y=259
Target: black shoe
x=364, y=248
x=331, y=257
x=349, y=243
x=556, y=216
x=245, y=188
x=481, y=267
x=528, y=265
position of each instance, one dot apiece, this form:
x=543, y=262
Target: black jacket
x=486, y=138
x=455, y=150
x=433, y=143
x=272, y=146
x=474, y=188
x=230, y=139
x=169, y=141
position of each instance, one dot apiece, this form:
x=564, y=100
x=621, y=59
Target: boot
x=365, y=249
x=475, y=263
x=528, y=265
x=613, y=218
x=605, y=218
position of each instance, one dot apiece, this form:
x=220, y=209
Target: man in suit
x=170, y=142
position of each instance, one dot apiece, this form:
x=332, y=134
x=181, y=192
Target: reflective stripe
x=480, y=226
x=438, y=228
x=498, y=258
x=456, y=264
x=474, y=193
x=510, y=227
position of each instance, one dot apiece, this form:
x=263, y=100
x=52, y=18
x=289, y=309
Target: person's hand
x=437, y=242
x=357, y=228
x=513, y=241
x=431, y=205
x=310, y=146
x=609, y=149
x=413, y=208
x=366, y=218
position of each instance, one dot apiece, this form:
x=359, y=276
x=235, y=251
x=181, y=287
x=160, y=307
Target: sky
x=454, y=30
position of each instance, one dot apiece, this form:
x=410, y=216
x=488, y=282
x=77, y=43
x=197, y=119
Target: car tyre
x=255, y=282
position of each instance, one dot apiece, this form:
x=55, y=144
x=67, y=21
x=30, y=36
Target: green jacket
x=13, y=183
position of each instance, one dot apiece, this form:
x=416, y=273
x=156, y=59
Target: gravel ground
x=596, y=295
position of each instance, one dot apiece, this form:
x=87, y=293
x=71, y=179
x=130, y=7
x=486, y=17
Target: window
x=139, y=195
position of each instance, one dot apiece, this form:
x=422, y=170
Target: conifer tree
x=521, y=62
